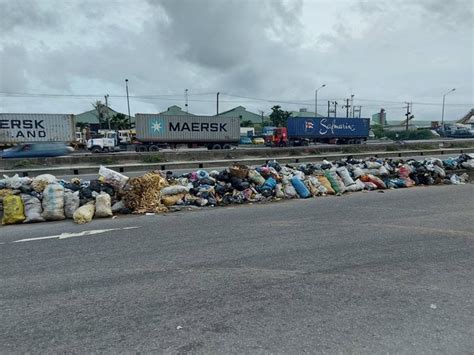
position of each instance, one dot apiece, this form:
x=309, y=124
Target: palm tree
x=101, y=112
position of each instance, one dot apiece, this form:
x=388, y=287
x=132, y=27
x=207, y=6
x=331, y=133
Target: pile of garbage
x=46, y=198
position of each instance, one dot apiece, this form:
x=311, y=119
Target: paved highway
x=364, y=273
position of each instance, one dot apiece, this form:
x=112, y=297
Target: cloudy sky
x=59, y=56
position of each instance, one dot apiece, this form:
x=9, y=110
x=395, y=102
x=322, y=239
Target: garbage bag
x=112, y=177
x=256, y=178
x=13, y=211
x=202, y=174
x=170, y=200
x=142, y=194
x=300, y=187
x=239, y=170
x=346, y=177
x=357, y=172
x=84, y=213
x=103, y=206
x=13, y=182
x=357, y=186
x=289, y=190
x=279, y=191
x=455, y=180
x=375, y=180
x=33, y=209
x=40, y=182
x=269, y=184
x=327, y=185
x=469, y=164
x=331, y=176
x=71, y=203
x=173, y=190
x=53, y=202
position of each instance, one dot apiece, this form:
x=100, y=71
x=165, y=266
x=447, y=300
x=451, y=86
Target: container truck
x=154, y=131
x=305, y=130
x=16, y=128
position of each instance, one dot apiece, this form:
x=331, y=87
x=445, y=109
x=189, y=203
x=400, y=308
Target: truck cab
x=109, y=142
x=277, y=138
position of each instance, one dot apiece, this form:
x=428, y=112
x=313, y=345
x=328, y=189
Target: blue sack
x=269, y=184
x=300, y=187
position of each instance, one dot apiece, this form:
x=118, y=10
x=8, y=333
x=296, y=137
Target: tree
x=247, y=123
x=278, y=116
x=101, y=113
x=119, y=121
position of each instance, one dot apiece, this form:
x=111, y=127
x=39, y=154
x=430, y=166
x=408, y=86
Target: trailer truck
x=154, y=131
x=17, y=128
x=305, y=130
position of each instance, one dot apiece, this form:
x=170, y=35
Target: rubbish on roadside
x=33, y=209
x=13, y=211
x=40, y=182
x=84, y=213
x=53, y=202
x=71, y=203
x=103, y=206
x=47, y=198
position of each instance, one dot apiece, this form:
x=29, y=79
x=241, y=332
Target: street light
x=316, y=100
x=442, y=114
x=128, y=105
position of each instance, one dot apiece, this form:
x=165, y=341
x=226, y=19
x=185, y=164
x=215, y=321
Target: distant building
x=175, y=111
x=303, y=112
x=242, y=113
x=91, y=118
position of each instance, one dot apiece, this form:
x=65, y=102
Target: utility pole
x=218, y=103
x=107, y=109
x=186, y=99
x=128, y=105
x=347, y=106
x=408, y=114
x=334, y=104
x=356, y=109
x=352, y=104
x=442, y=113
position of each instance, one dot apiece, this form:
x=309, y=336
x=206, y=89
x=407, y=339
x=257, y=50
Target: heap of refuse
x=46, y=198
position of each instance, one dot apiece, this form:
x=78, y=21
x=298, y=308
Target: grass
x=25, y=163
x=351, y=150
x=153, y=159
x=108, y=161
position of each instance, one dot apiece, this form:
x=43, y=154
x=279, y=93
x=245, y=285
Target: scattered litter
x=433, y=306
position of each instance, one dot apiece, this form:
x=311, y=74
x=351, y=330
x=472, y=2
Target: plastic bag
x=279, y=191
x=13, y=211
x=173, y=190
x=374, y=180
x=13, y=182
x=357, y=186
x=40, y=182
x=256, y=178
x=333, y=180
x=346, y=177
x=290, y=191
x=300, y=187
x=327, y=185
x=84, y=213
x=358, y=172
x=71, y=203
x=239, y=170
x=33, y=209
x=171, y=200
x=103, y=205
x=53, y=202
x=112, y=177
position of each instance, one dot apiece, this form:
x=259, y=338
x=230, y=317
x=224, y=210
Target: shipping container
x=324, y=129
x=33, y=127
x=200, y=130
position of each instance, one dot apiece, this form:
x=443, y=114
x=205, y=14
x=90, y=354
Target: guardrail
x=202, y=164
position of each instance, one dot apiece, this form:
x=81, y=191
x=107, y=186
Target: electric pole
x=332, y=110
x=128, y=105
x=352, y=104
x=217, y=104
x=408, y=114
x=356, y=109
x=107, y=109
x=347, y=106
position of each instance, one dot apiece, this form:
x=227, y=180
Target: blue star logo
x=157, y=126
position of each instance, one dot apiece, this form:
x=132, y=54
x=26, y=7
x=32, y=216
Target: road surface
x=368, y=272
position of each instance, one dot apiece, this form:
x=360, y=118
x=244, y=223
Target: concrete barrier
x=202, y=164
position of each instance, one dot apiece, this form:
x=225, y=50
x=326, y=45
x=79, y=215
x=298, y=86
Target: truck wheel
x=105, y=150
x=153, y=148
x=227, y=146
x=142, y=148
x=216, y=146
x=96, y=149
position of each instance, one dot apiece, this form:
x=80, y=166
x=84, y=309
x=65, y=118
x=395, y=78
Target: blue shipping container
x=332, y=127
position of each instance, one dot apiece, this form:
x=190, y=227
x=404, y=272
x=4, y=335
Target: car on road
x=37, y=150
x=258, y=140
x=245, y=140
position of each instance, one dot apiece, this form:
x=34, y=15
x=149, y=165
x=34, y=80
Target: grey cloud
x=25, y=13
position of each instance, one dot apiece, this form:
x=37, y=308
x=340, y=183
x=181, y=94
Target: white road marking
x=72, y=235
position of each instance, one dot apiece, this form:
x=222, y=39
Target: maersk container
x=327, y=128
x=187, y=129
x=35, y=127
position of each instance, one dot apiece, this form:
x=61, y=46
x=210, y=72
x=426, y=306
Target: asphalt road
x=364, y=273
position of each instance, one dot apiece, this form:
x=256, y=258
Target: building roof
x=468, y=117
x=92, y=116
x=175, y=111
x=243, y=114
